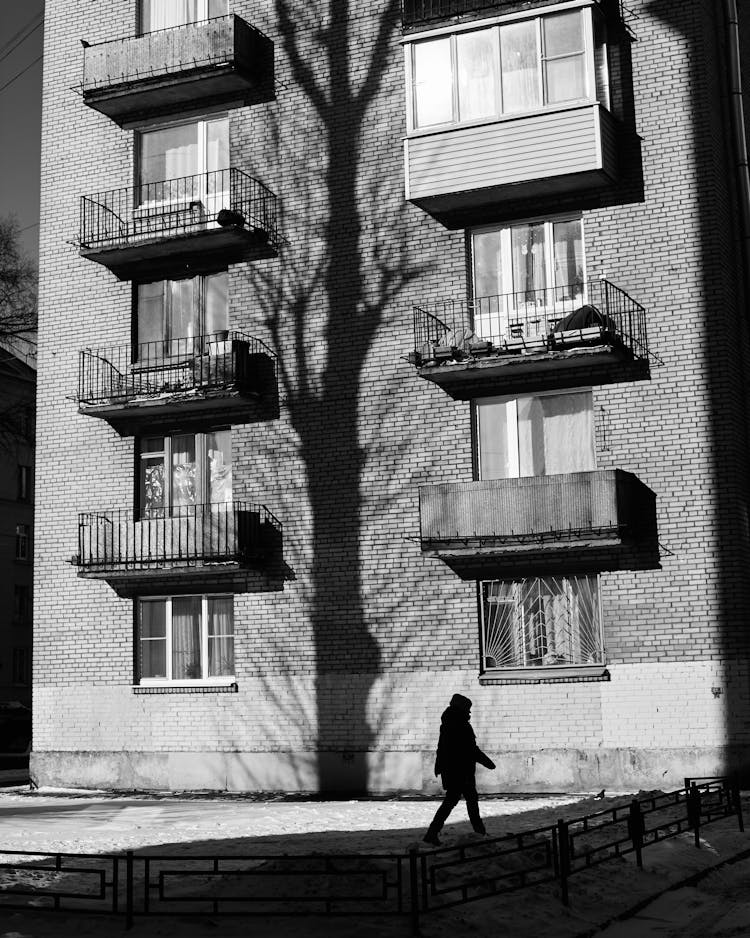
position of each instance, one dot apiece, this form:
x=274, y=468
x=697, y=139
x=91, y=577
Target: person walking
x=455, y=763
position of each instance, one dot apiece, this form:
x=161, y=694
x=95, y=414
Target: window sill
x=194, y=687
x=552, y=675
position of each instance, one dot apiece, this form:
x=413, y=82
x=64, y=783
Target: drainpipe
x=739, y=137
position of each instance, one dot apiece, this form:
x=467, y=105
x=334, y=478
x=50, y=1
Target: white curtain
x=519, y=65
x=477, y=64
x=496, y=461
x=555, y=434
x=186, y=638
x=220, y=637
x=161, y=14
x=184, y=471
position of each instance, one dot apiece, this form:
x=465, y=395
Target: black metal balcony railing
x=418, y=12
x=547, y=320
x=191, y=535
x=202, y=363
x=224, y=198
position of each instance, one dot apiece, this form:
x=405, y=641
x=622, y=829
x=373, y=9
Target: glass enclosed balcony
x=588, y=521
x=206, y=545
x=218, y=63
x=585, y=333
x=180, y=227
x=144, y=386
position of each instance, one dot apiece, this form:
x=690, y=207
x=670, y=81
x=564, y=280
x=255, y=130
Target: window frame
x=546, y=671
x=202, y=470
x=25, y=483
x=23, y=551
x=199, y=311
x=21, y=667
x=513, y=431
x=587, y=12
x=204, y=680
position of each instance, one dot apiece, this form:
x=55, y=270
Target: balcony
x=194, y=546
x=180, y=227
x=225, y=374
x=218, y=63
x=460, y=173
x=587, y=333
x=576, y=522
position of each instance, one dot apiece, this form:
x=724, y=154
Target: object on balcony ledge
x=228, y=217
x=583, y=326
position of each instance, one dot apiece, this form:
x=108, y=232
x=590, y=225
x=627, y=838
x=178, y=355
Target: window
x=542, y=434
x=185, y=638
x=173, y=311
x=23, y=542
x=24, y=483
x=509, y=68
x=181, y=470
x=21, y=603
x=527, y=276
x=541, y=622
x=161, y=14
x=183, y=165
x=21, y=666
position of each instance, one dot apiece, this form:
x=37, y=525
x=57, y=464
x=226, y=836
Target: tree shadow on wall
x=344, y=265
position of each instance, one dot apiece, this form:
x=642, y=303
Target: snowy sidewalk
x=95, y=822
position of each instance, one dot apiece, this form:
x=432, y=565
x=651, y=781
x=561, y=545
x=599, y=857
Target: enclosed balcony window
x=185, y=638
x=543, y=434
x=183, y=470
x=509, y=68
x=172, y=312
x=163, y=14
x=541, y=622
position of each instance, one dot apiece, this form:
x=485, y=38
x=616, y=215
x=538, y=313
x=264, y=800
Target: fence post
x=563, y=845
x=129, y=890
x=635, y=823
x=694, y=812
x=735, y=788
x=414, y=890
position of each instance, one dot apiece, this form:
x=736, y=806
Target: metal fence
x=554, y=318
x=413, y=884
x=173, y=207
x=205, y=362
x=122, y=539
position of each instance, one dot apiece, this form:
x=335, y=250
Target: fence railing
x=204, y=362
x=174, y=207
x=122, y=539
x=417, y=12
x=554, y=318
x=414, y=884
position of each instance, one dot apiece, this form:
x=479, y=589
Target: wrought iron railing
x=415, y=884
x=552, y=318
x=175, y=207
x=204, y=363
x=189, y=535
x=418, y=12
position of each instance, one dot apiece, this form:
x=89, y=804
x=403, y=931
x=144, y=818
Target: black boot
x=431, y=838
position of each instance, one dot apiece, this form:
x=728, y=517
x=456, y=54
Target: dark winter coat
x=457, y=751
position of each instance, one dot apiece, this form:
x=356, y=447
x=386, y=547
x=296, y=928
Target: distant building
x=387, y=354
x=17, y=396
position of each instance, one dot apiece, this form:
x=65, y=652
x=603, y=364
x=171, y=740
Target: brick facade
x=344, y=663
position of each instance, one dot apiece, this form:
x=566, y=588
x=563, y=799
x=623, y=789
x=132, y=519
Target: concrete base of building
x=549, y=770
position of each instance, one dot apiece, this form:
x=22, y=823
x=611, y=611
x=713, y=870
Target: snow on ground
x=93, y=822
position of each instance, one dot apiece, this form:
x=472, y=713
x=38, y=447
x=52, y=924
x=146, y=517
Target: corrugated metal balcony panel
x=598, y=520
x=558, y=151
x=208, y=65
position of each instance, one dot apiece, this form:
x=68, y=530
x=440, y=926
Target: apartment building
x=17, y=384
x=386, y=352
